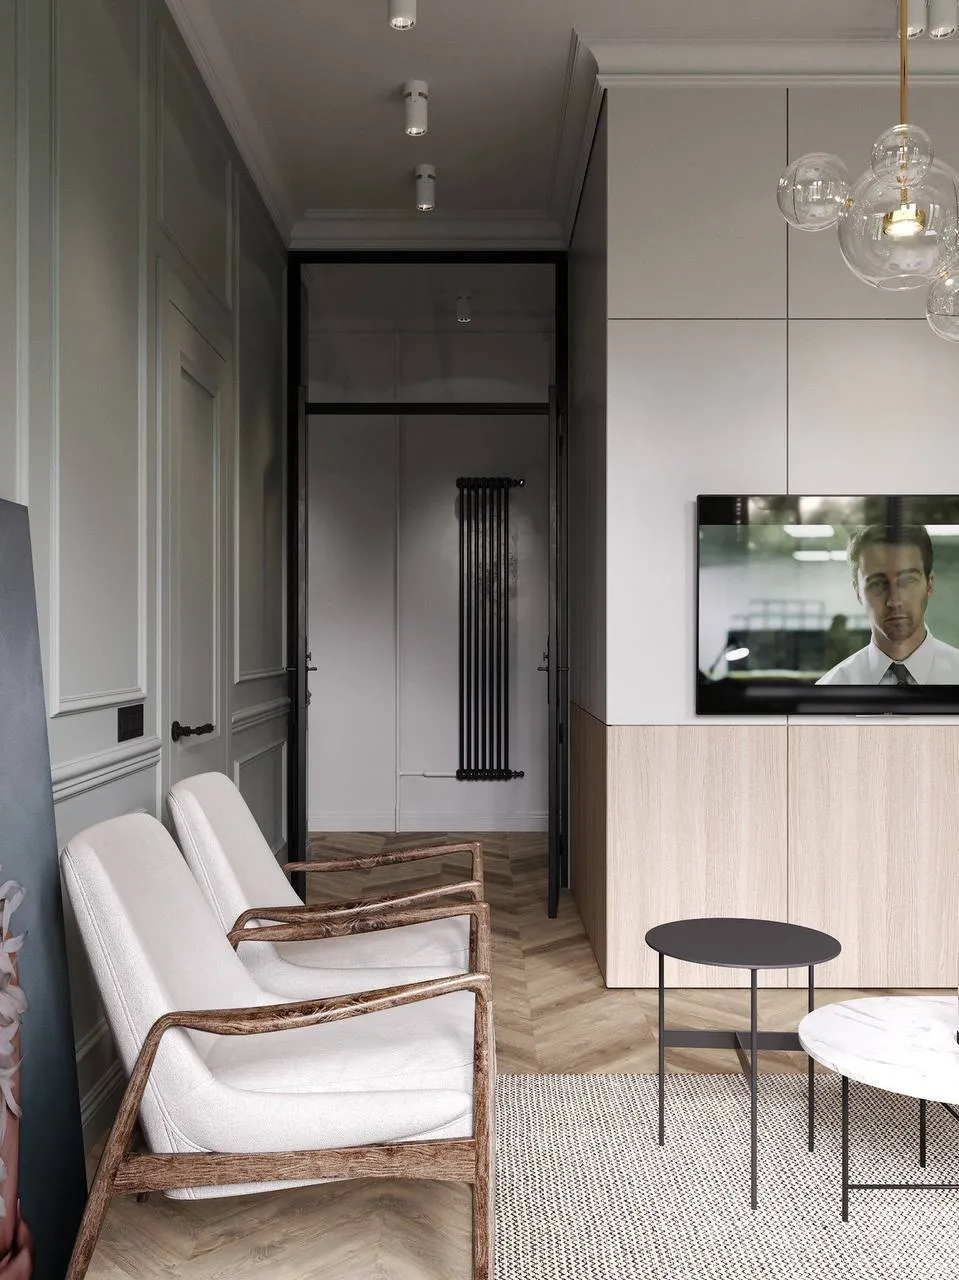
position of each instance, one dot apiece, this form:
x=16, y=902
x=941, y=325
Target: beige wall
x=113, y=160
x=746, y=358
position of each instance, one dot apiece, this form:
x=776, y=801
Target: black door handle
x=178, y=731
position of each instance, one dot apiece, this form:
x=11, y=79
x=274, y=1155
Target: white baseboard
x=426, y=820
x=332, y=820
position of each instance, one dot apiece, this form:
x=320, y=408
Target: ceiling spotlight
x=416, y=95
x=403, y=14
x=943, y=18
x=464, y=309
x=915, y=17
x=425, y=187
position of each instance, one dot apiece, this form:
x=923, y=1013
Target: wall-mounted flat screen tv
x=844, y=605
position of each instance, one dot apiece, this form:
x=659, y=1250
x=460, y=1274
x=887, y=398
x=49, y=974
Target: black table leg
x=811, y=1067
x=922, y=1133
x=662, y=1049
x=753, y=1053
x=845, y=1148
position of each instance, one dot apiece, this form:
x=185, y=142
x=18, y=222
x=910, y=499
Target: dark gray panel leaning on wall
x=52, y=1182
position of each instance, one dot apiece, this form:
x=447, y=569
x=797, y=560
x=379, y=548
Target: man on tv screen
x=893, y=581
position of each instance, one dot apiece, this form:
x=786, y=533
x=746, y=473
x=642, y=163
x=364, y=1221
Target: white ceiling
x=311, y=92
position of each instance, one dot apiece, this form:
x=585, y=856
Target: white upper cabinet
x=694, y=230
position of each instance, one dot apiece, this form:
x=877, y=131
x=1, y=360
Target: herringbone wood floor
x=552, y=1013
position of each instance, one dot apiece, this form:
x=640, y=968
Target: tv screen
x=845, y=605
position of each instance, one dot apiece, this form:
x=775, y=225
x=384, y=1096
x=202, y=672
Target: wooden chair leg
x=482, y=1230
x=90, y=1226
x=102, y=1190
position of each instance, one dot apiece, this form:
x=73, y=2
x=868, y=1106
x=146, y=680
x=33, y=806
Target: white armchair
x=391, y=1083
x=243, y=883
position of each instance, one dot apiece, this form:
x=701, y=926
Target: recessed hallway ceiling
x=312, y=89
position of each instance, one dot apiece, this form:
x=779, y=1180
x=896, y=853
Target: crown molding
x=202, y=37
x=579, y=114
x=401, y=229
x=684, y=62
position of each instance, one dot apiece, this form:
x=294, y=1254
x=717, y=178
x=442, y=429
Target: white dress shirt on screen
x=934, y=662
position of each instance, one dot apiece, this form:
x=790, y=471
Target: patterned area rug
x=584, y=1192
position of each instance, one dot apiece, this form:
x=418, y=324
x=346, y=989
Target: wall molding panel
x=98, y=170
x=270, y=792
x=107, y=207
x=105, y=767
x=201, y=257
x=262, y=713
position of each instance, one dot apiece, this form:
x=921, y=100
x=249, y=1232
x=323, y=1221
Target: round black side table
x=738, y=944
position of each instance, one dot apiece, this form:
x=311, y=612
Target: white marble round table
x=903, y=1044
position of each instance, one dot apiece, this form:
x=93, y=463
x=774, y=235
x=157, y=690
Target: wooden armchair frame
x=474, y=887
x=125, y=1172
x=300, y=924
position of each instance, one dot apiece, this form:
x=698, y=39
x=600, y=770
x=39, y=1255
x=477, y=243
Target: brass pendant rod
x=903, y=62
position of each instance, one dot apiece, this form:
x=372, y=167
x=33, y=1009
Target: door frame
x=300, y=409
x=211, y=329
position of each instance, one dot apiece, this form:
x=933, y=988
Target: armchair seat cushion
x=397, y=1076
x=361, y=961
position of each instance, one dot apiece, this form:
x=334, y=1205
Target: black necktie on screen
x=901, y=672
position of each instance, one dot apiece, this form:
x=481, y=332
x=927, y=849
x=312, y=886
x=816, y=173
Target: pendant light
x=402, y=14
x=416, y=97
x=898, y=223
x=425, y=176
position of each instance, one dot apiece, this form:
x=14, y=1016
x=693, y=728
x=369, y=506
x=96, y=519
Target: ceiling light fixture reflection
x=416, y=96
x=809, y=530
x=943, y=19
x=464, y=309
x=915, y=17
x=425, y=176
x=841, y=554
x=402, y=14
x=943, y=530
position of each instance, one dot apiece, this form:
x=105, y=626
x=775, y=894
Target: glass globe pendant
x=898, y=223
x=812, y=190
x=895, y=236
x=942, y=306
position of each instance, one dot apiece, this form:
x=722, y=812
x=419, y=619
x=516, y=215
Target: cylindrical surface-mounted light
x=464, y=309
x=402, y=14
x=943, y=18
x=425, y=187
x=416, y=96
x=915, y=17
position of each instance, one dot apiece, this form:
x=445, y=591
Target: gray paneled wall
x=113, y=161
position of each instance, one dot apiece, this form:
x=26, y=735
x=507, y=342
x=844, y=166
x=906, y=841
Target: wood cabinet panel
x=696, y=826
x=587, y=852
x=873, y=820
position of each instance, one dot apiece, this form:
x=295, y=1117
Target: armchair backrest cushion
x=225, y=849
x=154, y=945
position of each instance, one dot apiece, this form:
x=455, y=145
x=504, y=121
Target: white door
x=196, y=415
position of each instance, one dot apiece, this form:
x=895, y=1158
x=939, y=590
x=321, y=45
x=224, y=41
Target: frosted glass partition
x=424, y=332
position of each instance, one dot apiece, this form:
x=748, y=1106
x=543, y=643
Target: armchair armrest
x=301, y=924
x=366, y=862
x=363, y=906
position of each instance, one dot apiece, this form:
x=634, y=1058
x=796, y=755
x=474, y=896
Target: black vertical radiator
x=484, y=629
